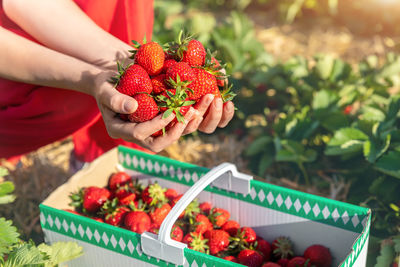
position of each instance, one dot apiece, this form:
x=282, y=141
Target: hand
x=110, y=102
x=211, y=113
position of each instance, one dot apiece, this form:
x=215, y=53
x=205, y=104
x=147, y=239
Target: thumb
x=120, y=103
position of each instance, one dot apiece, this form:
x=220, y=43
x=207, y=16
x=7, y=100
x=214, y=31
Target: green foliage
x=17, y=253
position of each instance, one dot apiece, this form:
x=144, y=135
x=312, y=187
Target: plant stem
x=304, y=172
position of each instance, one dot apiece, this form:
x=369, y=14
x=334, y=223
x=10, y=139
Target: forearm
x=25, y=61
x=62, y=26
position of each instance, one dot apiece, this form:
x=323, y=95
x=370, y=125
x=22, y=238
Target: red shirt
x=33, y=116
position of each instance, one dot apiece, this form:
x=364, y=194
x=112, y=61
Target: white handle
x=163, y=246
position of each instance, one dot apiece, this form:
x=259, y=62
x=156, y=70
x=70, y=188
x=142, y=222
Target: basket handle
x=162, y=246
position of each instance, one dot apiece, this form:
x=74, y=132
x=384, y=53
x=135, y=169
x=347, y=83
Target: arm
x=92, y=44
x=62, y=26
x=25, y=61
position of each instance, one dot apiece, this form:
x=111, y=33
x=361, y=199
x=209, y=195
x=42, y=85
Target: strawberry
x=147, y=109
x=118, y=179
x=231, y=258
x=196, y=242
x=271, y=264
x=347, y=110
x=205, y=207
x=97, y=219
x=170, y=194
x=177, y=233
x=168, y=63
x=220, y=82
x=137, y=221
x=201, y=224
x=247, y=234
x=231, y=227
x=90, y=199
x=282, y=248
x=195, y=54
x=72, y=211
x=181, y=70
x=283, y=262
x=188, y=50
x=113, y=214
x=150, y=56
x=158, y=214
x=159, y=84
x=126, y=200
x=318, y=256
x=264, y=248
x=154, y=228
x=298, y=262
x=154, y=194
x=219, y=216
x=132, y=80
x=250, y=258
x=205, y=83
x=218, y=241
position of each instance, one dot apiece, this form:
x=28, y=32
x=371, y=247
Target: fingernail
x=209, y=99
x=129, y=106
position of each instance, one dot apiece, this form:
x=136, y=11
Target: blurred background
x=318, y=84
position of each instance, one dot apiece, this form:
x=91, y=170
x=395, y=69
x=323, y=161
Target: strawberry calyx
x=192, y=210
x=139, y=205
x=198, y=243
x=178, y=47
x=173, y=102
x=154, y=194
x=227, y=94
x=212, y=66
x=121, y=71
x=77, y=199
x=282, y=247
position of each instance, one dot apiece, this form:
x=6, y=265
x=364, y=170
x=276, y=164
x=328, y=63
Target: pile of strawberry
x=170, y=79
x=126, y=203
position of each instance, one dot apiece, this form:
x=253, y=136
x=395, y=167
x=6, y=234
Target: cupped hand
x=111, y=102
x=211, y=113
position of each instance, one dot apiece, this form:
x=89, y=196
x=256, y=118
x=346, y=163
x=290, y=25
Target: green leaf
x=324, y=66
x=266, y=160
x=323, y=99
x=340, y=71
x=333, y=121
x=396, y=241
x=3, y=171
x=258, y=145
x=374, y=149
x=295, y=152
x=7, y=199
x=5, y=189
x=25, y=254
x=372, y=114
x=60, y=252
x=346, y=140
x=8, y=236
x=386, y=256
x=389, y=164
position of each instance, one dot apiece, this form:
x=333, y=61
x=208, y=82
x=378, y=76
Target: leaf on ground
x=25, y=254
x=8, y=235
x=61, y=252
x=389, y=164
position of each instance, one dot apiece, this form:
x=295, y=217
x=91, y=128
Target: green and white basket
x=270, y=210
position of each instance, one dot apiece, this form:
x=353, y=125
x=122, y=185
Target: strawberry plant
x=330, y=122
x=15, y=252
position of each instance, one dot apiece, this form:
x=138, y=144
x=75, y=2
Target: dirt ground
x=40, y=172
